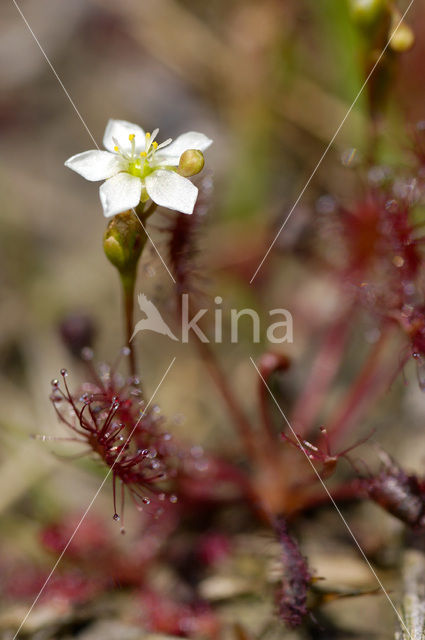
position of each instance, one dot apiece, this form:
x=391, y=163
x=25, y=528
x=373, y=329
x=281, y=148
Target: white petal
x=120, y=193
x=120, y=130
x=170, y=190
x=191, y=140
x=96, y=165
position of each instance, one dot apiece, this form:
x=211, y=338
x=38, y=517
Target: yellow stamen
x=154, y=144
x=143, y=154
x=116, y=148
x=131, y=137
x=148, y=135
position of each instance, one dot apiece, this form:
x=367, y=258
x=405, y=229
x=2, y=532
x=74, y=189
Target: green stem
x=128, y=282
x=123, y=242
x=143, y=213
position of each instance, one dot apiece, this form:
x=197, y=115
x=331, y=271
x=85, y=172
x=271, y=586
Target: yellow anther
x=155, y=144
x=131, y=137
x=148, y=135
x=143, y=154
x=116, y=148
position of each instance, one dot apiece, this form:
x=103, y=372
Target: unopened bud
x=403, y=39
x=365, y=13
x=123, y=241
x=191, y=163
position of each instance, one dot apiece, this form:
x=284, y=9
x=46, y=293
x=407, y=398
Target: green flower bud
x=403, y=39
x=123, y=241
x=365, y=13
x=191, y=163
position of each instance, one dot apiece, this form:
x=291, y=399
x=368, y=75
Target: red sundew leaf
x=160, y=614
x=111, y=419
x=400, y=494
x=212, y=548
x=73, y=588
x=22, y=583
x=91, y=539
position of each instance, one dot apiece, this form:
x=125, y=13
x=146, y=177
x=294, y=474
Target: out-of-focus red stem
x=242, y=424
x=268, y=364
x=348, y=492
x=322, y=373
x=370, y=382
x=266, y=420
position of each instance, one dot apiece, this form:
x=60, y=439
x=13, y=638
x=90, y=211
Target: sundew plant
x=233, y=329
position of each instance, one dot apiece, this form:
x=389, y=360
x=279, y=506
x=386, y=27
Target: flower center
x=140, y=164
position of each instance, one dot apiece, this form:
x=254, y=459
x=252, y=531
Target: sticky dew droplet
x=87, y=354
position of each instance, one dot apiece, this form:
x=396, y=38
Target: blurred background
x=270, y=82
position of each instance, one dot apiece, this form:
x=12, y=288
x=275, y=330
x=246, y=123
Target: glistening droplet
x=348, y=157
x=87, y=354
x=391, y=206
x=420, y=370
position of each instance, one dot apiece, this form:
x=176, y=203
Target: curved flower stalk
x=135, y=168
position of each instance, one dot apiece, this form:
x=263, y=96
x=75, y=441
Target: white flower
x=135, y=168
